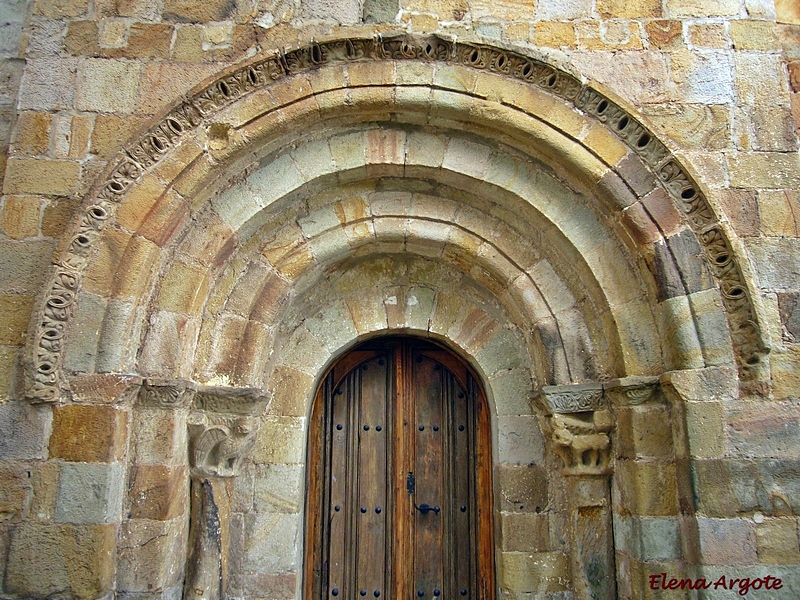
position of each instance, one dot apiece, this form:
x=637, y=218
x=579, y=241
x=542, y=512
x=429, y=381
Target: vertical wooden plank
x=428, y=529
x=372, y=478
x=463, y=501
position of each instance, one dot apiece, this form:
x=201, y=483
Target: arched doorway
x=399, y=496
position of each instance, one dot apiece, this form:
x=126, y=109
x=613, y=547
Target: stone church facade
x=209, y=206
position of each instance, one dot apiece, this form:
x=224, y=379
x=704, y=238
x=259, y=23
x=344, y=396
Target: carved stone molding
x=50, y=321
x=167, y=393
x=236, y=401
x=574, y=398
x=632, y=391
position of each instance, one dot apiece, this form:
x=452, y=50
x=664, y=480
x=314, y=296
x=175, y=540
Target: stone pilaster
x=222, y=431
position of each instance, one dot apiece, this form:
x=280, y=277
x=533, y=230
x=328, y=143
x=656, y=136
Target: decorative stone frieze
x=50, y=322
x=167, y=393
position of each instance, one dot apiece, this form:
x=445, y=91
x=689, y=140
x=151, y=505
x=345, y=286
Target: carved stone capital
x=225, y=424
x=579, y=425
x=217, y=449
x=167, y=393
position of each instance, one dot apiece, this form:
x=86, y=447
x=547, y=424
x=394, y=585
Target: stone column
x=222, y=432
x=579, y=423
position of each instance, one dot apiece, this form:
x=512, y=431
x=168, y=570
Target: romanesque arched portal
x=308, y=200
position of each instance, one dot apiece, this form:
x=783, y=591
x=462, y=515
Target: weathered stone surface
x=107, y=86
x=49, y=559
x=280, y=440
x=777, y=542
x=89, y=493
x=150, y=555
x=526, y=488
x=539, y=572
x=42, y=176
x=525, y=532
x=25, y=430
x=157, y=492
x=89, y=433
x=727, y=541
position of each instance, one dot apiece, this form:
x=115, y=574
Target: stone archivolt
x=169, y=132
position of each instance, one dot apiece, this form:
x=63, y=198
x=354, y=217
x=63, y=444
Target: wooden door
x=399, y=489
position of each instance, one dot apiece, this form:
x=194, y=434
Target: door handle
x=426, y=508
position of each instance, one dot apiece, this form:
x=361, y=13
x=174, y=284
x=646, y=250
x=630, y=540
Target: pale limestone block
x=81, y=351
x=414, y=73
x=122, y=321
x=280, y=440
x=436, y=275
x=313, y=160
x=427, y=238
x=760, y=9
x=278, y=488
x=333, y=326
x=561, y=10
x=702, y=8
x=305, y=352
x=163, y=349
x=615, y=274
x=455, y=78
x=26, y=430
x=526, y=295
x=466, y=157
x=391, y=229
x=90, y=493
x=582, y=228
x=640, y=77
x=775, y=260
x=512, y=392
x=760, y=79
x=348, y=151
x=236, y=206
x=703, y=78
x=771, y=170
x=272, y=543
x=183, y=289
x=108, y=86
x=329, y=246
x=424, y=150
x=639, y=338
x=497, y=264
x=368, y=311
x=113, y=33
x=248, y=288
x=359, y=234
x=48, y=84
x=712, y=327
x=551, y=286
x=682, y=349
x=776, y=542
x=419, y=303
x=519, y=440
x=584, y=362
x=450, y=310
x=704, y=428
x=523, y=573
x=151, y=554
x=275, y=180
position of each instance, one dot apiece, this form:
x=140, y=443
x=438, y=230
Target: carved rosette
x=579, y=424
x=200, y=108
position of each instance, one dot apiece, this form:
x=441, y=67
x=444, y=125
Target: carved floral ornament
x=580, y=420
x=198, y=109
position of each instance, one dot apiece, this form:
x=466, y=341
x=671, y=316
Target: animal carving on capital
x=219, y=449
x=582, y=441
